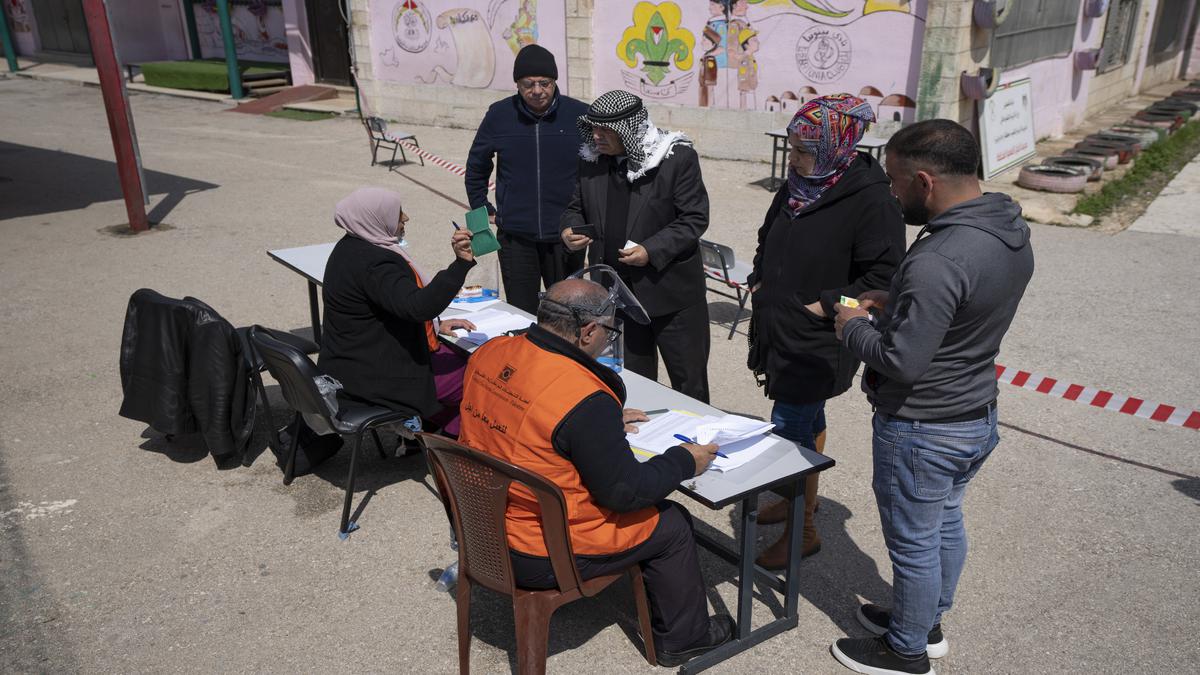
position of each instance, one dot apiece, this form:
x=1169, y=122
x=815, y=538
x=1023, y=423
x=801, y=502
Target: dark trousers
x=670, y=568
x=683, y=339
x=526, y=264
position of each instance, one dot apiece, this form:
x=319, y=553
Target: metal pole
x=235, y=76
x=189, y=20
x=6, y=35
x=116, y=106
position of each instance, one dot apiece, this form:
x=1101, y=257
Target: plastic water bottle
x=449, y=576
x=448, y=579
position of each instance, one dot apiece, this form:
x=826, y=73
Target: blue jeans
x=921, y=473
x=799, y=422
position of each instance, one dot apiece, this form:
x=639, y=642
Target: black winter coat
x=184, y=369
x=668, y=212
x=847, y=242
x=536, y=160
x=373, y=333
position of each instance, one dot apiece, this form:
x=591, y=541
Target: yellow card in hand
x=849, y=302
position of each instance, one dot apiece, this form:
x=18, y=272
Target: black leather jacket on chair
x=184, y=369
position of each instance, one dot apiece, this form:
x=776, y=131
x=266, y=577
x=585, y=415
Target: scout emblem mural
x=462, y=43
x=663, y=47
x=761, y=54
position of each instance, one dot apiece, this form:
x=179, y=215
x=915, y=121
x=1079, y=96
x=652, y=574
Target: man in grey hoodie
x=931, y=380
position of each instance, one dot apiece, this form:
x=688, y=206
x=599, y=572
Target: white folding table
x=784, y=463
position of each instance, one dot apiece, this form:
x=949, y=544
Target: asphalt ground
x=121, y=552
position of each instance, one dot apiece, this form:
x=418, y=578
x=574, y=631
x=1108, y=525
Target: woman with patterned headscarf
x=834, y=229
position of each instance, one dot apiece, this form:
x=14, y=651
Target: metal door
x=330, y=39
x=61, y=26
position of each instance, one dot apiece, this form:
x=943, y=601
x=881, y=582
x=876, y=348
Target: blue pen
x=455, y=225
x=685, y=439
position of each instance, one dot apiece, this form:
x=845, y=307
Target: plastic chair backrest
x=376, y=124
x=477, y=489
x=294, y=372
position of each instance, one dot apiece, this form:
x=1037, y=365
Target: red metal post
x=116, y=106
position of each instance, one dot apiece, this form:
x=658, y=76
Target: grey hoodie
x=950, y=303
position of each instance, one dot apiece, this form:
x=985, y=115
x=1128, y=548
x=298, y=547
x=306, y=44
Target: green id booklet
x=483, y=240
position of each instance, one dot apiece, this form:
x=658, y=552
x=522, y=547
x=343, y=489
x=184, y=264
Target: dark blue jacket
x=538, y=159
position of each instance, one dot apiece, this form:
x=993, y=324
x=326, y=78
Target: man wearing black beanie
x=531, y=141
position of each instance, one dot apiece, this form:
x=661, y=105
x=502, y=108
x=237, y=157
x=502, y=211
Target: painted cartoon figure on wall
x=258, y=30
x=770, y=54
x=461, y=43
x=747, y=69
x=663, y=45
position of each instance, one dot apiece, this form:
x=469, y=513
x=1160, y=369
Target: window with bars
x=1169, y=26
x=1035, y=30
x=1119, y=31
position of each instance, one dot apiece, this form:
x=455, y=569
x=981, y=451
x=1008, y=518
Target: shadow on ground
x=35, y=181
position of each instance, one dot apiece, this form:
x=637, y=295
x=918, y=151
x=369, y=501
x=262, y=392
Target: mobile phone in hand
x=588, y=230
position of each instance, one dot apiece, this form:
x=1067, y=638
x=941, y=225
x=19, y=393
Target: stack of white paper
x=740, y=439
x=490, y=323
x=730, y=429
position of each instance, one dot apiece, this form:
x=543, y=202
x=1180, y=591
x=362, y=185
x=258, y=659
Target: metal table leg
x=314, y=310
x=747, y=636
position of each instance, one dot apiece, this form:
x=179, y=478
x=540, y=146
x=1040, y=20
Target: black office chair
x=295, y=373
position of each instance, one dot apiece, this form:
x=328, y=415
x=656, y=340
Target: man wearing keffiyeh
x=833, y=229
x=642, y=190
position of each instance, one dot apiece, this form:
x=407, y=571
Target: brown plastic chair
x=475, y=486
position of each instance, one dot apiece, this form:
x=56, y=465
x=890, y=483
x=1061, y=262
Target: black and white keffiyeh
x=645, y=145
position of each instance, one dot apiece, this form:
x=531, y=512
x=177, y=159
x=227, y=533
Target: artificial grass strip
x=301, y=115
x=198, y=75
x=1162, y=161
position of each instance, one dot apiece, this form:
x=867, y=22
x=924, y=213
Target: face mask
x=402, y=243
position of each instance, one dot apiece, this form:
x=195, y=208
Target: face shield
x=627, y=307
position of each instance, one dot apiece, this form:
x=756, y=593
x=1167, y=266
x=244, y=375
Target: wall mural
x=18, y=16
x=258, y=31
x=761, y=54
x=463, y=43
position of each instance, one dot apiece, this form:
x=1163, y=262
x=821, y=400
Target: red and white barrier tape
x=447, y=165
x=1159, y=412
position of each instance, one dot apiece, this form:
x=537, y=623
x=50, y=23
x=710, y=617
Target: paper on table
x=492, y=322
x=730, y=429
x=740, y=452
x=658, y=434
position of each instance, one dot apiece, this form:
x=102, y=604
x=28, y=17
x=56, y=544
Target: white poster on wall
x=1006, y=127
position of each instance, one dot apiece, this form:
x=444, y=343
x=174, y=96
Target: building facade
x=725, y=71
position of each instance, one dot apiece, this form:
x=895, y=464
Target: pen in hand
x=685, y=439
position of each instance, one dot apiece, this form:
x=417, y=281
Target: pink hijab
x=373, y=215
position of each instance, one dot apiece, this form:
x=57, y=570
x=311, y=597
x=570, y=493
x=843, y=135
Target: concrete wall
x=146, y=31
x=1063, y=97
x=23, y=26
x=718, y=132
x=295, y=25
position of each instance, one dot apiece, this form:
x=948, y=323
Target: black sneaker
x=877, y=619
x=874, y=656
x=720, y=630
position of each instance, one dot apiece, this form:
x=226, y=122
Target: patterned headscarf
x=830, y=128
x=645, y=145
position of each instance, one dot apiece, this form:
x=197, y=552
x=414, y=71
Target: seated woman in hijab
x=379, y=335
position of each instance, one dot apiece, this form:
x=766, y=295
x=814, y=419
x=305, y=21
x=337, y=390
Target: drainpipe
x=235, y=76
x=189, y=20
x=6, y=35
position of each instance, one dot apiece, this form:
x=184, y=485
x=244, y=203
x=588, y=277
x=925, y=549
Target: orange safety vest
x=514, y=395
x=431, y=336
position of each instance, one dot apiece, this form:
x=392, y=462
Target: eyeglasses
x=528, y=84
x=613, y=331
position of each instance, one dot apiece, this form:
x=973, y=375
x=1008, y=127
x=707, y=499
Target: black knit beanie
x=534, y=61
